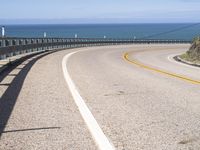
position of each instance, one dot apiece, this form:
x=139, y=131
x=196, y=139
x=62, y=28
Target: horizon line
x=99, y=23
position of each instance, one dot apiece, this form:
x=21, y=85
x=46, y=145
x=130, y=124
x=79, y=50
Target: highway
x=128, y=97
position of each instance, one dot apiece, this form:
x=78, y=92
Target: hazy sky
x=86, y=11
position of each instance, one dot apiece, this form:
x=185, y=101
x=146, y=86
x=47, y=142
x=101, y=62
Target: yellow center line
x=125, y=56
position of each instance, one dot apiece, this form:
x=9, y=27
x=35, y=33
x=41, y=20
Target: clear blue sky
x=99, y=11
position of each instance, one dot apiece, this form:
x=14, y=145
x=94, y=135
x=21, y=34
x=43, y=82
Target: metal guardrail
x=14, y=46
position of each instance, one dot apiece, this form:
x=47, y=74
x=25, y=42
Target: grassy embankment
x=193, y=54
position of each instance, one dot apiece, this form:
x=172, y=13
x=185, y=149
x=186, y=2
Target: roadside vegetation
x=193, y=54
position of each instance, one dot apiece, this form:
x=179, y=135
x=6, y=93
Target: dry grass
x=193, y=54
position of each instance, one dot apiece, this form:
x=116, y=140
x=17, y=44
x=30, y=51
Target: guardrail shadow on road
x=9, y=97
x=32, y=129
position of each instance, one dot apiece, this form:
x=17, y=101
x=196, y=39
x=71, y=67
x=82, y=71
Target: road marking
x=97, y=133
x=171, y=59
x=125, y=56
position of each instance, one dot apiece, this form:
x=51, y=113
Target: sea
x=180, y=31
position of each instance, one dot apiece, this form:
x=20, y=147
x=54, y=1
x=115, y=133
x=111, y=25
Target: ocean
x=138, y=31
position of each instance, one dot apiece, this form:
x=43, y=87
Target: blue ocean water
x=109, y=30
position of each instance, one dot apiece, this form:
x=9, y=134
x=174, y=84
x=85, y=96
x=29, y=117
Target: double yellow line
x=126, y=57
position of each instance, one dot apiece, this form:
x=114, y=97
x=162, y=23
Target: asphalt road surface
x=138, y=95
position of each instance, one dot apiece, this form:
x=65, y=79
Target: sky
x=99, y=11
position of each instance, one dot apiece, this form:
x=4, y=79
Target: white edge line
x=97, y=133
x=170, y=58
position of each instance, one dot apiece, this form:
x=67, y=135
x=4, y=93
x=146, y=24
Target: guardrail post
x=3, y=43
x=3, y=31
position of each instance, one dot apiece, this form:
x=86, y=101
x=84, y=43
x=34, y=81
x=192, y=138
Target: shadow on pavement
x=32, y=129
x=9, y=97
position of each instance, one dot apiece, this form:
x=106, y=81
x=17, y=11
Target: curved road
x=137, y=106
